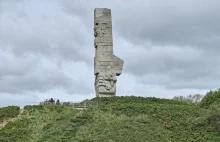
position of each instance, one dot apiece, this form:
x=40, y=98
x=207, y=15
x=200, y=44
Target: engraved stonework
x=105, y=83
x=106, y=65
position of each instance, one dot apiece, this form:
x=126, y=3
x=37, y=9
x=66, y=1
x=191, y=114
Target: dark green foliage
x=45, y=124
x=64, y=128
x=16, y=131
x=118, y=119
x=9, y=112
x=210, y=120
x=34, y=107
x=213, y=116
x=147, y=120
x=210, y=98
x=133, y=99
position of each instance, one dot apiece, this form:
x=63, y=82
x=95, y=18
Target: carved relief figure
x=106, y=82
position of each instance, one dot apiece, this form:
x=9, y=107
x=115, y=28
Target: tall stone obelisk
x=106, y=65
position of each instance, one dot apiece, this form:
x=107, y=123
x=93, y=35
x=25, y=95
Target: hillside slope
x=7, y=114
x=118, y=119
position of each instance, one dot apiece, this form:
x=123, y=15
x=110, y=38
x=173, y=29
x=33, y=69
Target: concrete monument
x=106, y=65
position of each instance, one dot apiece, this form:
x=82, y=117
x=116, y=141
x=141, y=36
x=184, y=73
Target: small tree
x=210, y=98
x=51, y=100
x=178, y=98
x=197, y=98
x=189, y=99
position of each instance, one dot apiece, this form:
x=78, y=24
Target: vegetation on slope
x=157, y=120
x=123, y=119
x=211, y=98
x=43, y=124
x=9, y=112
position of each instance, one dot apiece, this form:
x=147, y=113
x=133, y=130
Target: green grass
x=118, y=119
x=110, y=127
x=39, y=123
x=9, y=112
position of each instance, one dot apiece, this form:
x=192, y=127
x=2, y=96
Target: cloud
x=188, y=23
x=30, y=74
x=168, y=47
x=46, y=31
x=172, y=67
x=35, y=42
x=7, y=99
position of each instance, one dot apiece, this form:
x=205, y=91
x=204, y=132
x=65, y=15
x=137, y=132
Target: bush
x=210, y=119
x=10, y=111
x=118, y=100
x=34, y=107
x=210, y=98
x=213, y=116
x=121, y=119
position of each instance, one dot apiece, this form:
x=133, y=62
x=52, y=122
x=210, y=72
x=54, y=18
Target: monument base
x=105, y=85
x=104, y=95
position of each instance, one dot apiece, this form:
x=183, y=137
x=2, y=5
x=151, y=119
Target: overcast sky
x=170, y=48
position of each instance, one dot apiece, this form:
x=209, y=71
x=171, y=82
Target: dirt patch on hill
x=6, y=120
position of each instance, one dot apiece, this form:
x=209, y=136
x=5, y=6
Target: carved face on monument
x=106, y=83
x=100, y=80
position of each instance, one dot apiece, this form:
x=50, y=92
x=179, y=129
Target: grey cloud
x=20, y=99
x=171, y=44
x=62, y=51
x=34, y=42
x=40, y=80
x=185, y=23
x=13, y=66
x=79, y=87
x=180, y=69
x=179, y=84
x=32, y=73
x=188, y=23
x=34, y=79
x=53, y=34
x=34, y=83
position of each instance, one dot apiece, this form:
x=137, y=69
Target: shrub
x=213, y=116
x=34, y=107
x=210, y=98
x=10, y=111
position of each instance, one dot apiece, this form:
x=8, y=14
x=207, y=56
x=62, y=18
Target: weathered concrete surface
x=106, y=65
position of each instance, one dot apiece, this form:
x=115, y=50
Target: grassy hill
x=118, y=119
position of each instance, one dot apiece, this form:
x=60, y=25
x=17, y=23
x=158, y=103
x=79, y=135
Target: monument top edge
x=102, y=9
